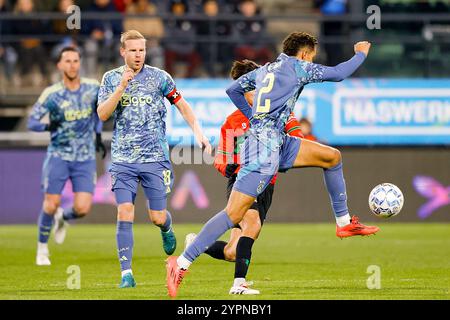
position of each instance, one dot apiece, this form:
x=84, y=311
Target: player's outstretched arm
x=189, y=116
x=106, y=108
x=347, y=68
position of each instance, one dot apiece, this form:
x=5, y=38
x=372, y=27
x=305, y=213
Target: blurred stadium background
x=391, y=120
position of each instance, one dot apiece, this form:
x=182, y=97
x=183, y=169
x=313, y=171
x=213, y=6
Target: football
x=386, y=200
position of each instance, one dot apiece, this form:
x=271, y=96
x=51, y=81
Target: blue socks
x=212, y=230
x=168, y=224
x=334, y=180
x=70, y=214
x=124, y=238
x=45, y=223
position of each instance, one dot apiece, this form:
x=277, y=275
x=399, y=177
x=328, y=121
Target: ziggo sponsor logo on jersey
x=129, y=100
x=73, y=115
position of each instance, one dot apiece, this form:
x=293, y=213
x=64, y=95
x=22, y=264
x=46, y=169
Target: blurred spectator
x=306, y=127
x=45, y=6
x=254, y=42
x=335, y=52
x=122, y=5
x=103, y=45
x=152, y=29
x=195, y=6
x=29, y=48
x=84, y=4
x=8, y=56
x=231, y=6
x=214, y=51
x=180, y=40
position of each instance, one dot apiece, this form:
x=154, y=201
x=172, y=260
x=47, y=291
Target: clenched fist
x=127, y=76
x=362, y=46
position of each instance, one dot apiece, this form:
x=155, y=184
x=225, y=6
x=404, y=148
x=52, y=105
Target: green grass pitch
x=290, y=261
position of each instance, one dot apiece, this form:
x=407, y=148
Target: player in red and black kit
x=239, y=246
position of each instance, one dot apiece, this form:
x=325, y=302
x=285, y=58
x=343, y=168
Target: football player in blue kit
x=267, y=149
x=134, y=93
x=75, y=131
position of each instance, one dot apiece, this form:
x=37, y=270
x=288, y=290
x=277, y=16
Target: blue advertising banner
x=352, y=112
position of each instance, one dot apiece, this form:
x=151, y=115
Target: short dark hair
x=65, y=49
x=240, y=68
x=297, y=41
x=305, y=121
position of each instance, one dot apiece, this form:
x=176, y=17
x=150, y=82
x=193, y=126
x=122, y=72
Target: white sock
x=42, y=248
x=343, y=221
x=238, y=282
x=183, y=263
x=124, y=272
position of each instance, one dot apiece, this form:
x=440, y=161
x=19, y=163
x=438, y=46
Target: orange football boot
x=355, y=228
x=174, y=275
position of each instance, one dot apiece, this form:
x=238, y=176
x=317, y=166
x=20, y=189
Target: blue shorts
x=156, y=179
x=55, y=173
x=259, y=163
x=289, y=151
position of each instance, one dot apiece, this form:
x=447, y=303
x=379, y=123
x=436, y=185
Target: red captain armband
x=174, y=96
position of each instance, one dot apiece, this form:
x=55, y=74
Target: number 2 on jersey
x=270, y=77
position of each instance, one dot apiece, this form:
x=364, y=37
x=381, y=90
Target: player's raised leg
x=313, y=154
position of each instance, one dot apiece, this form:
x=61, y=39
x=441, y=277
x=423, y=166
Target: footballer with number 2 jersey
x=243, y=236
x=267, y=149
